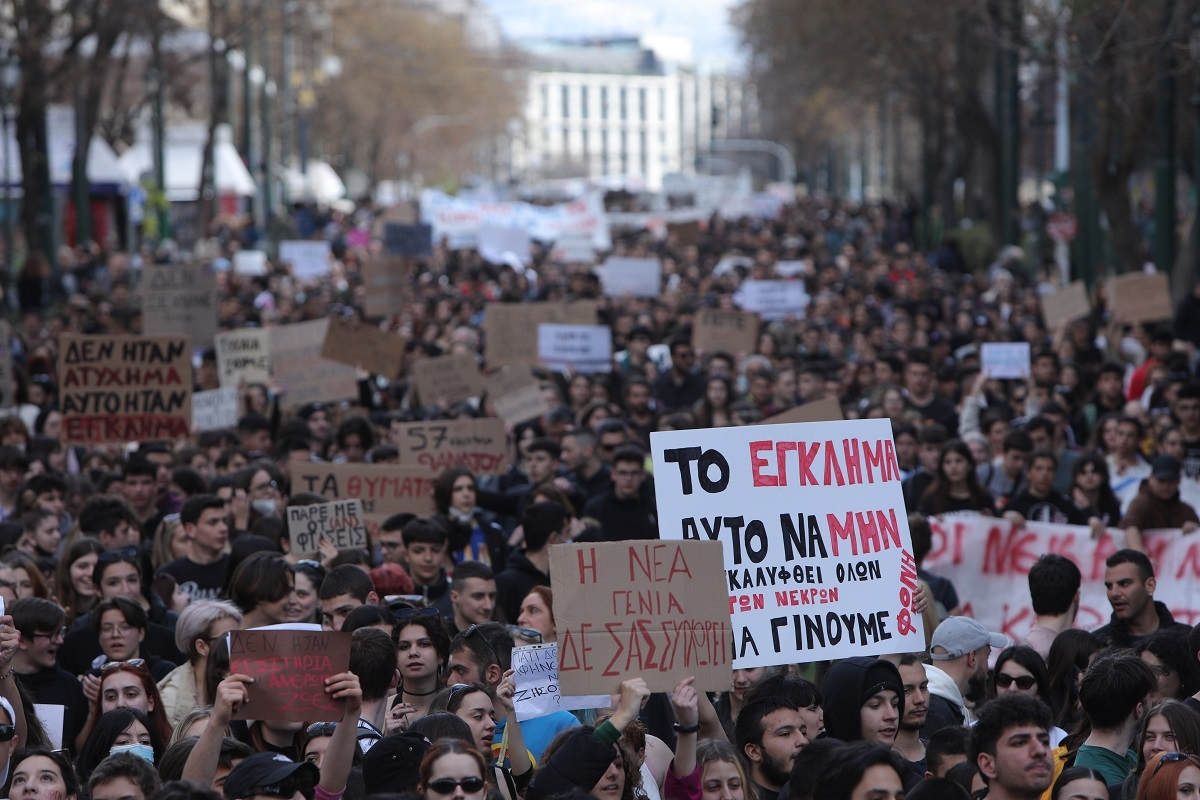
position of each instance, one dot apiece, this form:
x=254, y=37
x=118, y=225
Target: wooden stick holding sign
x=289, y=668
x=342, y=523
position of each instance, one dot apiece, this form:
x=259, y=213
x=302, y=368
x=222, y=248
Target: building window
x=624, y=109
x=583, y=140
x=641, y=105
x=645, y=164
x=662, y=105
x=566, y=102
x=603, y=102
x=566, y=134
x=583, y=102
x=545, y=101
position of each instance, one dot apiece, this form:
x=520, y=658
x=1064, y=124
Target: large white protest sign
x=640, y=277
x=250, y=262
x=1005, y=359
x=988, y=560
x=582, y=348
x=574, y=248
x=215, y=409
x=500, y=245
x=818, y=556
x=308, y=259
x=772, y=299
x=535, y=675
x=458, y=219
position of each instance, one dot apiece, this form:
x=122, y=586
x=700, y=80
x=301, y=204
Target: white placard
x=308, y=259
x=215, y=409
x=640, y=277
x=574, y=248
x=582, y=348
x=535, y=673
x=790, y=269
x=250, y=262
x=818, y=554
x=499, y=245
x=772, y=299
x=1005, y=359
x=51, y=717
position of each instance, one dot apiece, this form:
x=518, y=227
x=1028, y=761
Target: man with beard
x=1011, y=746
x=1129, y=582
x=916, y=710
x=770, y=732
x=961, y=647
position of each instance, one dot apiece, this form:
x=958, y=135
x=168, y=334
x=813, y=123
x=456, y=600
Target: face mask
x=264, y=507
x=140, y=750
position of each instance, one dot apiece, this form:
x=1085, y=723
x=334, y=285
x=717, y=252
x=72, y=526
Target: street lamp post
x=9, y=75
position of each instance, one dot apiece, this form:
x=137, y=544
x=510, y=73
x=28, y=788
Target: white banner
x=459, y=219
x=535, y=674
x=988, y=561
x=772, y=299
x=309, y=260
x=640, y=277
x=215, y=409
x=817, y=550
x=582, y=348
x=1005, y=359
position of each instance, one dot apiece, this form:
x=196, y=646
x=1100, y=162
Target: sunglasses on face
x=448, y=785
x=7, y=732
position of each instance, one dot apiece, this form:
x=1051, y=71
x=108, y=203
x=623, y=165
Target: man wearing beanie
x=864, y=700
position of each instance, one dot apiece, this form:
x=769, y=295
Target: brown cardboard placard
x=303, y=376
x=1066, y=305
x=480, y=445
x=341, y=522
x=640, y=608
x=685, y=233
x=359, y=344
x=385, y=285
x=511, y=329
x=289, y=669
x=180, y=299
x=118, y=389
x=243, y=356
x=725, y=331
x=516, y=395
x=825, y=410
x=384, y=489
x=451, y=379
x=1138, y=297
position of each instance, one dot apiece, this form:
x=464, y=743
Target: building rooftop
x=626, y=55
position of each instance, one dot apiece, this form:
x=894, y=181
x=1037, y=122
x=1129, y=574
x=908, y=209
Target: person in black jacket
x=627, y=510
x=1129, y=582
x=544, y=524
x=41, y=623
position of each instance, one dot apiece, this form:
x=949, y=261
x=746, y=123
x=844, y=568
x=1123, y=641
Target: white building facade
x=624, y=111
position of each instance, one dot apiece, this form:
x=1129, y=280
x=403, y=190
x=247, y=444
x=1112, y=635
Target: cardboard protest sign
x=515, y=395
x=180, y=299
x=8, y=386
x=511, y=329
x=118, y=389
x=309, y=260
x=824, y=410
x=216, y=409
x=501, y=245
x=639, y=608
x=685, y=233
x=1066, y=305
x=385, y=285
x=289, y=668
x=341, y=522
x=1138, y=297
x=818, y=554
x=993, y=558
x=583, y=348
x=304, y=377
x=349, y=341
x=535, y=675
x=250, y=263
x=407, y=240
x=480, y=445
x=383, y=489
x=451, y=378
x=1005, y=359
x=773, y=299
x=243, y=356
x=640, y=277
x=726, y=331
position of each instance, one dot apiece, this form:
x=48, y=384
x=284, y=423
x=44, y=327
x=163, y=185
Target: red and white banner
x=988, y=561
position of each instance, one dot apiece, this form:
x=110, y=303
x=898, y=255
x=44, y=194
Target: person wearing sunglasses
x=1171, y=775
x=452, y=770
x=1019, y=669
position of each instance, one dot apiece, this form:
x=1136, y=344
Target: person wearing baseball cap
x=1158, y=504
x=960, y=648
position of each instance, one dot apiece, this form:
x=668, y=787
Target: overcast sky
x=704, y=22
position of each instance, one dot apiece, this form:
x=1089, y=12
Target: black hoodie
x=1116, y=632
x=515, y=583
x=842, y=690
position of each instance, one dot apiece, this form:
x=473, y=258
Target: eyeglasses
x=115, y=665
x=1024, y=683
x=264, y=489
x=1168, y=758
x=7, y=732
x=474, y=629
x=61, y=633
x=448, y=785
x=123, y=629
x=322, y=729
x=405, y=613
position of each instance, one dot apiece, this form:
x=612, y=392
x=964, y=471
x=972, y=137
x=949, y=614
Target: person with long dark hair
x=120, y=730
x=1091, y=490
x=956, y=488
x=473, y=535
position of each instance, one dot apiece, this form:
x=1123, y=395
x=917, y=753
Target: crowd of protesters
x=123, y=567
